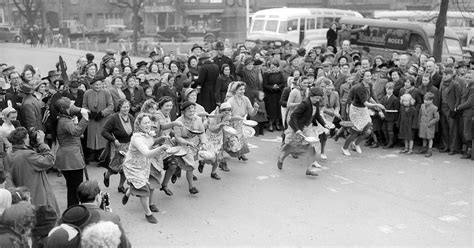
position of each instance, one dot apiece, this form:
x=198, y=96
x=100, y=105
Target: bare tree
x=135, y=6
x=439, y=30
x=29, y=9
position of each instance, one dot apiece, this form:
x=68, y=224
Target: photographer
x=90, y=196
x=27, y=167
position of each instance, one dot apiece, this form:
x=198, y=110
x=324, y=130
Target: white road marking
x=332, y=189
x=276, y=140
x=262, y=178
x=459, y=203
x=448, y=218
x=260, y=162
x=386, y=229
x=447, y=162
x=343, y=179
x=274, y=176
x=252, y=146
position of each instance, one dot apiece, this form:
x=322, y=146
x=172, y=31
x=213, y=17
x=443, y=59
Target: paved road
x=378, y=198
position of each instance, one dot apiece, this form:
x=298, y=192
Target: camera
x=105, y=203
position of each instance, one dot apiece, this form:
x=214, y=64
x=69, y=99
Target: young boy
x=391, y=104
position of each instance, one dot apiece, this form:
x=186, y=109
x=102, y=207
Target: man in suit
x=450, y=96
x=30, y=113
x=436, y=77
x=300, y=124
x=13, y=93
x=207, y=79
x=90, y=197
x=466, y=107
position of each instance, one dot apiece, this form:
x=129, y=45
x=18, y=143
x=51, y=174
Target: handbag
x=116, y=164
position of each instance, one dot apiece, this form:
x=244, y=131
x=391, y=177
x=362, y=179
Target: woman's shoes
x=215, y=176
x=106, y=180
x=150, y=218
x=409, y=152
x=125, y=197
x=280, y=164
x=195, y=178
x=174, y=178
x=278, y=127
x=270, y=128
x=154, y=208
x=166, y=190
x=403, y=151
x=193, y=191
x=346, y=152
x=324, y=156
x=122, y=189
x=243, y=158
x=223, y=166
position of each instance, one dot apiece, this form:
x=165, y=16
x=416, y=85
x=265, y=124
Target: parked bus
x=293, y=24
x=460, y=22
x=383, y=37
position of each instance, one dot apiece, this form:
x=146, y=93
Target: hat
x=96, y=79
x=89, y=57
x=220, y=45
x=293, y=57
x=26, y=88
x=328, y=54
x=141, y=63
x=77, y=215
x=383, y=65
x=64, y=236
x=416, y=66
x=301, y=52
x=5, y=198
x=110, y=52
x=355, y=52
x=74, y=85
x=196, y=46
x=310, y=75
x=448, y=70
x=225, y=106
x=6, y=111
x=188, y=91
x=186, y=105
x=257, y=62
x=53, y=73
x=316, y=91
x=152, y=53
x=308, y=60
x=9, y=68
x=204, y=56
x=258, y=41
x=248, y=61
x=46, y=219
x=4, y=85
x=461, y=64
x=107, y=58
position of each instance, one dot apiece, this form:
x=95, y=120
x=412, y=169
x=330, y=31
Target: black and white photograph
x=236, y=123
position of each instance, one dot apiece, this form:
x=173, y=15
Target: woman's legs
x=145, y=200
x=352, y=136
x=73, y=179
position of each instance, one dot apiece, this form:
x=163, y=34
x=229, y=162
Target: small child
x=406, y=120
x=261, y=116
x=428, y=117
x=390, y=117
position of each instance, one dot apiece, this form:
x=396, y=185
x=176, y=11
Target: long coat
x=428, y=117
x=407, y=119
x=273, y=95
x=208, y=74
x=28, y=168
x=30, y=114
x=97, y=101
x=70, y=155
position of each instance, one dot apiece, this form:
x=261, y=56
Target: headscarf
x=5, y=200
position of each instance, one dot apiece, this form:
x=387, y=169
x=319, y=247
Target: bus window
x=453, y=46
x=310, y=23
x=319, y=21
x=271, y=25
x=258, y=25
x=282, y=28
x=416, y=39
x=327, y=21
x=292, y=25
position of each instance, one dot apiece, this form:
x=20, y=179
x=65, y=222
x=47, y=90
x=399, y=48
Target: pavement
x=378, y=198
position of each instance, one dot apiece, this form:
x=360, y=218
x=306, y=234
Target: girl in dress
x=406, y=121
x=136, y=166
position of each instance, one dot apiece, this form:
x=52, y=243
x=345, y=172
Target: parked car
x=9, y=34
x=181, y=33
